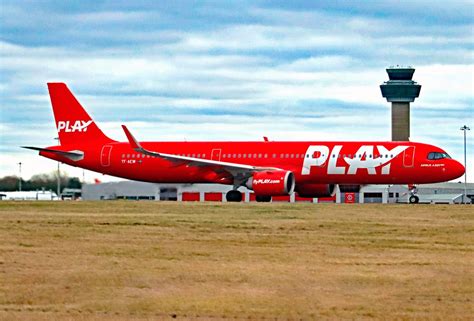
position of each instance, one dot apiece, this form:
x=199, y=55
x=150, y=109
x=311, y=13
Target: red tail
x=75, y=126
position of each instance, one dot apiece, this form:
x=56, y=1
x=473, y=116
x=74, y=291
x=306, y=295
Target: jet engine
x=316, y=190
x=272, y=183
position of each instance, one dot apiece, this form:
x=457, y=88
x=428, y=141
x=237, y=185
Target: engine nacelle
x=316, y=190
x=272, y=183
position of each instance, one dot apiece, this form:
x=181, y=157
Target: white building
x=431, y=193
x=29, y=196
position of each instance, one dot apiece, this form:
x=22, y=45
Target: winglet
x=133, y=142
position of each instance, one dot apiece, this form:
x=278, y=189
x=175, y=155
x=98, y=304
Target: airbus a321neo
x=269, y=168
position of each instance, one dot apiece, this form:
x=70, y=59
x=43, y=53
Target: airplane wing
x=75, y=155
x=233, y=168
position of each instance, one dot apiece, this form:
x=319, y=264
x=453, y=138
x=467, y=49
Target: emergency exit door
x=216, y=154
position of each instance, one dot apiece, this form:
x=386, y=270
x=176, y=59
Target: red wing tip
x=130, y=137
x=125, y=129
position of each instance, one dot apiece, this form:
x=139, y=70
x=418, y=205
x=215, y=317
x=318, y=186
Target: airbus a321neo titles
x=269, y=168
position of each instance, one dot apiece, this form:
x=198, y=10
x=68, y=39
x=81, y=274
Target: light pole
x=465, y=129
x=58, y=176
x=59, y=182
x=19, y=181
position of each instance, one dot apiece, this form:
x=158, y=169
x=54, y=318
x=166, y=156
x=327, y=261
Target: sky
x=233, y=70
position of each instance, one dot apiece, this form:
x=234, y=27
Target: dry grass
x=152, y=260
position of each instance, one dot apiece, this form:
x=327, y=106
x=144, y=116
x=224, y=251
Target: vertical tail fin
x=74, y=125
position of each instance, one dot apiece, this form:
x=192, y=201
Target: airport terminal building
x=442, y=193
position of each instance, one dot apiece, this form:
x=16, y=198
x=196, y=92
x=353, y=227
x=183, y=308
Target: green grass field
x=156, y=260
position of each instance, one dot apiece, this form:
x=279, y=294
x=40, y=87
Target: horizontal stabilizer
x=75, y=155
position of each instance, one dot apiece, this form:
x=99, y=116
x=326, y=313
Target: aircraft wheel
x=233, y=196
x=414, y=199
x=260, y=198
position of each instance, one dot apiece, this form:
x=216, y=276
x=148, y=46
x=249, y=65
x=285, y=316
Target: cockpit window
x=437, y=155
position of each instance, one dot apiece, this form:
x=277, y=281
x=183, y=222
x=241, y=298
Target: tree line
x=39, y=182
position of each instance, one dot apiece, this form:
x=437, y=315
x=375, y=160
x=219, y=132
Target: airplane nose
x=457, y=169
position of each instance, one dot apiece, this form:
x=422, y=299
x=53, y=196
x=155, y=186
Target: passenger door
x=105, y=155
x=409, y=157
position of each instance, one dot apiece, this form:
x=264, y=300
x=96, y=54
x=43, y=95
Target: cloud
x=299, y=70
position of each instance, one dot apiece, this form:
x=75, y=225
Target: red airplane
x=312, y=169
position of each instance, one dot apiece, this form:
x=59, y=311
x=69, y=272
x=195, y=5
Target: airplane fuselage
x=311, y=162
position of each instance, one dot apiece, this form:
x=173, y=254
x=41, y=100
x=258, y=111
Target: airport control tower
x=400, y=90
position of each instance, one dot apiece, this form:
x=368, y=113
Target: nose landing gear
x=413, y=199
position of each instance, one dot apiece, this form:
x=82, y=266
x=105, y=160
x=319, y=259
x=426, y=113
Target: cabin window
x=244, y=155
x=274, y=155
x=265, y=156
x=254, y=155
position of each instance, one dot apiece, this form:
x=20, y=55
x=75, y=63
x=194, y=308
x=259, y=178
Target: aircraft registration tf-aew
x=269, y=168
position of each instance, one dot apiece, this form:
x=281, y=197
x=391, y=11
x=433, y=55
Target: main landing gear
x=233, y=196
x=236, y=196
x=260, y=198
